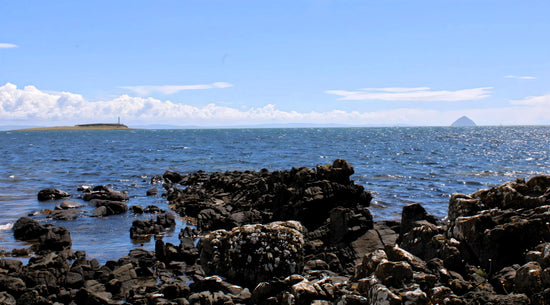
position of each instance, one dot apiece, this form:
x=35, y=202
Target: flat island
x=95, y=126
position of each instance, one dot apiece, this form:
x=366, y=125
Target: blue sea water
x=399, y=165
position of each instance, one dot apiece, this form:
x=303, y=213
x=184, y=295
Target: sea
x=399, y=165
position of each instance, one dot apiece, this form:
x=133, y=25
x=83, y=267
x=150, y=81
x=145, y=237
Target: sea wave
x=6, y=227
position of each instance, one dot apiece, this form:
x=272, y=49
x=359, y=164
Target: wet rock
x=26, y=228
x=173, y=177
x=136, y=209
x=68, y=204
x=153, y=209
x=254, y=253
x=152, y=192
x=103, y=192
x=143, y=229
x=110, y=207
x=52, y=194
x=63, y=214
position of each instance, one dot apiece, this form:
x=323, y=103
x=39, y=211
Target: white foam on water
x=6, y=227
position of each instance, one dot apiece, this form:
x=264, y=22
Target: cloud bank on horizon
x=45, y=108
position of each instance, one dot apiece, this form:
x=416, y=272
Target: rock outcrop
x=303, y=236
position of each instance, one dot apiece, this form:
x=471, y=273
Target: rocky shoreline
x=299, y=236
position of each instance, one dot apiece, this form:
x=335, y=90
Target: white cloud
x=31, y=106
x=7, y=45
x=171, y=89
x=412, y=94
x=520, y=77
x=539, y=101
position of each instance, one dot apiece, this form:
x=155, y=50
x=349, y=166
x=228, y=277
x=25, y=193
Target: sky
x=236, y=63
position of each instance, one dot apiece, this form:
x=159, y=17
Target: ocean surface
x=399, y=165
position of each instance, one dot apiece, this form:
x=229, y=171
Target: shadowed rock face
x=498, y=225
x=226, y=200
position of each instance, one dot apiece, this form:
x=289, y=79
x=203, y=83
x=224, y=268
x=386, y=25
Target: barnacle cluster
x=255, y=252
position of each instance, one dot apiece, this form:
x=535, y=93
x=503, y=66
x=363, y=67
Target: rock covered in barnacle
x=254, y=253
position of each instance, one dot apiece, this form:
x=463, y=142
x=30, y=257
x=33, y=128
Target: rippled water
x=400, y=166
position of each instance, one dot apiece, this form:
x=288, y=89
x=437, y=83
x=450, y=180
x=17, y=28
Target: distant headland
x=95, y=126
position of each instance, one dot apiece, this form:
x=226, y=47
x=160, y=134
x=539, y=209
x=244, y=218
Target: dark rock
x=145, y=228
x=424, y=241
x=11, y=265
x=55, y=238
x=32, y=298
x=26, y=228
x=394, y=274
x=102, y=192
x=414, y=215
x=152, y=192
x=52, y=194
x=6, y=299
x=173, y=177
x=12, y=285
x=100, y=212
x=497, y=226
x=136, y=209
x=529, y=278
x=63, y=214
x=153, y=209
x=111, y=207
x=338, y=172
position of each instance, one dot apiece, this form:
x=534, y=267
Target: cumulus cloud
x=520, y=77
x=171, y=89
x=412, y=94
x=30, y=105
x=4, y=45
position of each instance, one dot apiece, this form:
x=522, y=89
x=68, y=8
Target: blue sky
x=226, y=63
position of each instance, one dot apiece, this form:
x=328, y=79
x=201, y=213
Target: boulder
x=52, y=194
x=254, y=253
x=69, y=204
x=414, y=215
x=55, y=238
x=173, y=177
x=63, y=214
x=103, y=192
x=111, y=207
x=498, y=225
x=152, y=192
x=26, y=228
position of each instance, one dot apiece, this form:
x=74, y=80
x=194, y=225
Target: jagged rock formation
x=493, y=249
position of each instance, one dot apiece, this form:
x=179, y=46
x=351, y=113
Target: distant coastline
x=95, y=126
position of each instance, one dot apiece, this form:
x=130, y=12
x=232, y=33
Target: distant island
x=95, y=126
x=463, y=121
